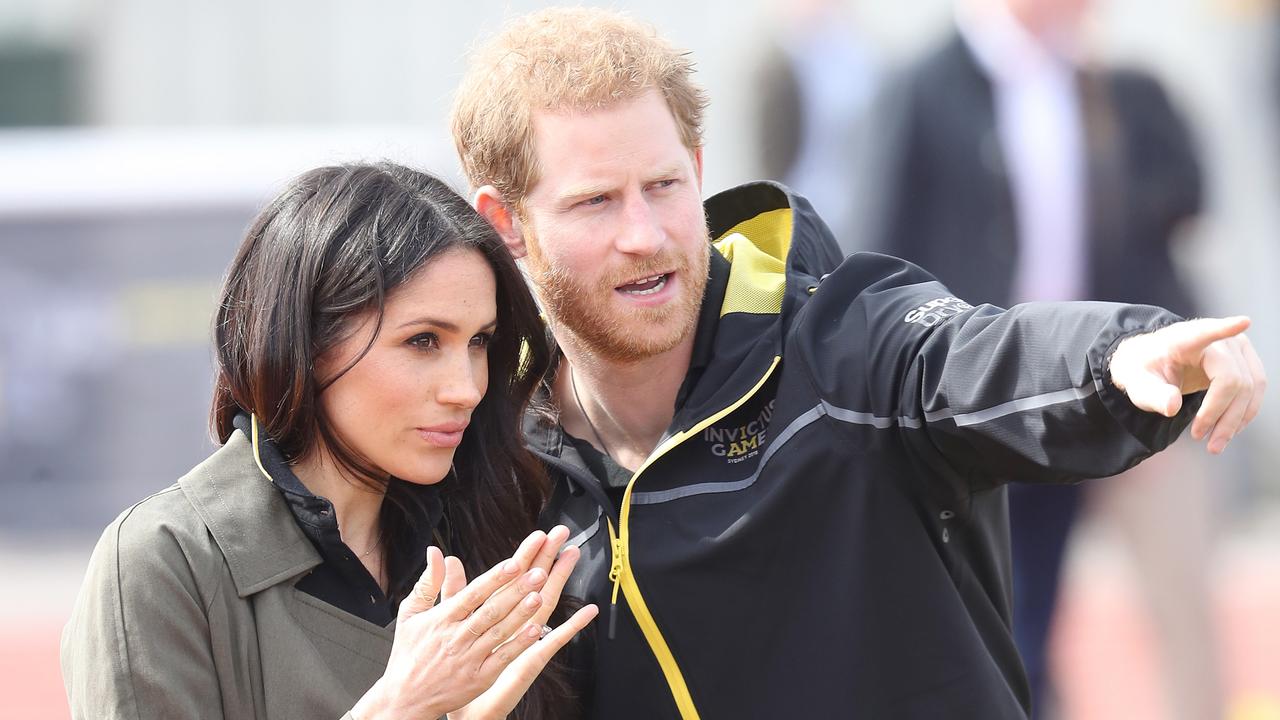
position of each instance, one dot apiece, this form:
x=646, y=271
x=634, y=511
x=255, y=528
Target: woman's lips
x=446, y=436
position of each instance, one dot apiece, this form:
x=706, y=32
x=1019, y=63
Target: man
x=1017, y=170
x=786, y=471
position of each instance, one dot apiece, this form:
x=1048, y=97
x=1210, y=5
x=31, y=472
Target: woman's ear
x=489, y=203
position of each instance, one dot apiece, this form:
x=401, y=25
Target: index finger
x=534, y=655
x=556, y=581
x=551, y=547
x=537, y=657
x=1193, y=336
x=478, y=590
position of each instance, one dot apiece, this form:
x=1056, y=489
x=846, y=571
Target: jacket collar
x=777, y=224
x=248, y=518
x=778, y=250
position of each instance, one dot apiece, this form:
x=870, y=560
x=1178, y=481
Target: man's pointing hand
x=1155, y=370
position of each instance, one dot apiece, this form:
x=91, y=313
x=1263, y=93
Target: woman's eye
x=482, y=340
x=425, y=341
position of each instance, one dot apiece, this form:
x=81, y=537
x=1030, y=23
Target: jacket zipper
x=623, y=578
x=591, y=485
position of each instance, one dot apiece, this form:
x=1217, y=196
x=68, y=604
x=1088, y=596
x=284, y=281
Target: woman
x=375, y=347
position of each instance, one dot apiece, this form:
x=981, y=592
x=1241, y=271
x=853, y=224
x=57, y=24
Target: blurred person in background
x=1273, y=20
x=1018, y=171
x=375, y=347
x=787, y=468
x=815, y=83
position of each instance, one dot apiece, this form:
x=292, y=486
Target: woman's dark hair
x=327, y=251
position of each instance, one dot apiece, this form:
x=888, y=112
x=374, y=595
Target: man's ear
x=489, y=203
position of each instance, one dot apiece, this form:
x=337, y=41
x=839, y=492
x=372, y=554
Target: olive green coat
x=188, y=610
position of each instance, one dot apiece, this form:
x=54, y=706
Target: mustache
x=664, y=262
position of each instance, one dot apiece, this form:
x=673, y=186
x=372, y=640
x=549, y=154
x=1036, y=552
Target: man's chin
x=633, y=339
x=628, y=350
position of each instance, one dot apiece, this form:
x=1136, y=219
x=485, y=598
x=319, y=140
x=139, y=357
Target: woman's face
x=405, y=404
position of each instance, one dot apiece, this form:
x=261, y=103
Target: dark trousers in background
x=1040, y=519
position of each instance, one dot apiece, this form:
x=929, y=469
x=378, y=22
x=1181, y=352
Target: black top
x=612, y=476
x=409, y=515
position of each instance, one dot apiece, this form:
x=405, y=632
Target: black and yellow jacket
x=823, y=530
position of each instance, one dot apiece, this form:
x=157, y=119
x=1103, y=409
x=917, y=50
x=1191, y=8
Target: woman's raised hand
x=528, y=659
x=445, y=655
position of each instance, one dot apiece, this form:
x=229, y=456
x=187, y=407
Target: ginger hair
x=557, y=60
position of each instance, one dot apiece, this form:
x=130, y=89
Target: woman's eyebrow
x=444, y=324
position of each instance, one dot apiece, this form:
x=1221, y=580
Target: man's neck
x=621, y=408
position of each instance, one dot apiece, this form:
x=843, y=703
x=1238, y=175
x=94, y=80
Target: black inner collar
x=409, y=515
x=708, y=321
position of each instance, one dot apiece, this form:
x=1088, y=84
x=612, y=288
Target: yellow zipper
x=623, y=578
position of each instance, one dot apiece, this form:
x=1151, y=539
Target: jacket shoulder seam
x=121, y=636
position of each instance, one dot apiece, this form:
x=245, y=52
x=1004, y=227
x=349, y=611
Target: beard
x=590, y=309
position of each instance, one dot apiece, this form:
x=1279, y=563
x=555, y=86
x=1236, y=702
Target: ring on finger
x=428, y=599
x=473, y=631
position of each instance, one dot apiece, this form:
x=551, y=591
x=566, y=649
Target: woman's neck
x=356, y=505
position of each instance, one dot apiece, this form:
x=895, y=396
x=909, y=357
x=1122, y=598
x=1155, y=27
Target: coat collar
x=248, y=518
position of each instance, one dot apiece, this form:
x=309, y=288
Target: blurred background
x=138, y=137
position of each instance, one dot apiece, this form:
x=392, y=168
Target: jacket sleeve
x=981, y=396
x=137, y=644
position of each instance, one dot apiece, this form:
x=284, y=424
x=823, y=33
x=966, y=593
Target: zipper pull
x=615, y=576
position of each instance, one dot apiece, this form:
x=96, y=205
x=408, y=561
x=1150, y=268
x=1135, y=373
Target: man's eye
x=425, y=341
x=598, y=199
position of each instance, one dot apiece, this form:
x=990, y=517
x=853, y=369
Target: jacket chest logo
x=740, y=441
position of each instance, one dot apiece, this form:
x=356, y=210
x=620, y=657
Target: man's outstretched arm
x=985, y=396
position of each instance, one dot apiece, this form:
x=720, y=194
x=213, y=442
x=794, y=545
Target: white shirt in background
x=1041, y=134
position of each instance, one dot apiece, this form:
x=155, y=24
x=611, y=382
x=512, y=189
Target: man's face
x=615, y=232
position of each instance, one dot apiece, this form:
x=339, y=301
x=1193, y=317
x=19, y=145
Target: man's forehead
x=584, y=147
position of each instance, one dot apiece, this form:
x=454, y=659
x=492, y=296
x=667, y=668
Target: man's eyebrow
x=444, y=324
x=584, y=191
x=589, y=190
x=667, y=171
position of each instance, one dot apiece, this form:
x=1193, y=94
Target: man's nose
x=641, y=232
